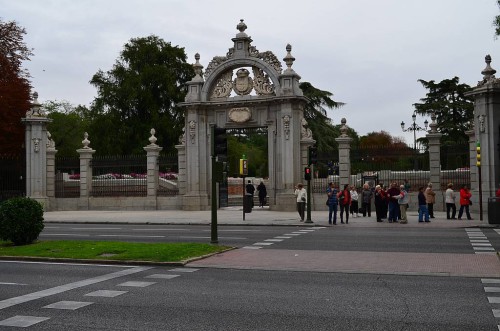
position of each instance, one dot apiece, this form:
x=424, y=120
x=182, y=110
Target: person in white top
x=450, y=202
x=301, y=197
x=354, y=201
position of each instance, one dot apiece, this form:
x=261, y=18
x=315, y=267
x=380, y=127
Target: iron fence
x=12, y=176
x=67, y=181
x=122, y=175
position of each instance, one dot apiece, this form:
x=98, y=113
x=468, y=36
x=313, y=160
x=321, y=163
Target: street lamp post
x=414, y=127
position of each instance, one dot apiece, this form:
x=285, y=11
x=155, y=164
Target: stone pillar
x=36, y=152
x=153, y=152
x=344, y=142
x=51, y=167
x=487, y=132
x=85, y=172
x=434, y=138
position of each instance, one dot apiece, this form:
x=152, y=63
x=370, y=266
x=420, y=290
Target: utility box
x=494, y=210
x=247, y=203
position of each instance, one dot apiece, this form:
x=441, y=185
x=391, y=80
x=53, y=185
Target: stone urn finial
x=152, y=139
x=289, y=59
x=488, y=72
x=85, y=141
x=241, y=26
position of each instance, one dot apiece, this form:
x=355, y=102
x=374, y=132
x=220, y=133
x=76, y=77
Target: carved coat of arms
x=243, y=83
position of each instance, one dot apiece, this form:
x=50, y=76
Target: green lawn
x=104, y=250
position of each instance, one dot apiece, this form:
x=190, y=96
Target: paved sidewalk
x=234, y=216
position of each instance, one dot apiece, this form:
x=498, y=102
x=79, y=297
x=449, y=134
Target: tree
x=453, y=109
x=68, y=126
x=496, y=22
x=315, y=113
x=14, y=86
x=140, y=92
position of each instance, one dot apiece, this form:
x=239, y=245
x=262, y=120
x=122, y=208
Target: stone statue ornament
x=86, y=141
x=50, y=142
x=306, y=133
x=182, y=138
x=36, y=144
x=152, y=139
x=482, y=123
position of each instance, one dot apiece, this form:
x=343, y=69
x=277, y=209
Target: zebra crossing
x=277, y=239
x=479, y=241
x=22, y=321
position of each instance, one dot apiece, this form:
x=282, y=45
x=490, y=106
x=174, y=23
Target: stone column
x=36, y=152
x=51, y=166
x=181, y=157
x=487, y=132
x=153, y=152
x=344, y=142
x=85, y=172
x=434, y=138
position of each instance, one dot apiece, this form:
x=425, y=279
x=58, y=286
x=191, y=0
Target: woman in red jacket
x=465, y=196
x=344, y=197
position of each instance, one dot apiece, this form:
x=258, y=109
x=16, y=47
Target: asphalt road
x=339, y=238
x=71, y=297
x=291, y=292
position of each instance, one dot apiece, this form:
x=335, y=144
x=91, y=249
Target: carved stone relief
x=261, y=82
x=286, y=126
x=192, y=130
x=240, y=115
x=306, y=133
x=243, y=83
x=224, y=86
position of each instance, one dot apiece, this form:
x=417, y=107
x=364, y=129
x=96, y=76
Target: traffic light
x=307, y=173
x=313, y=155
x=219, y=142
x=478, y=154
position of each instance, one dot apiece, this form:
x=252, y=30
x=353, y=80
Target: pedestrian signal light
x=313, y=155
x=307, y=173
x=478, y=154
x=220, y=142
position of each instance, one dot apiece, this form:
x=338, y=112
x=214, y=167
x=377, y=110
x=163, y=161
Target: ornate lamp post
x=414, y=127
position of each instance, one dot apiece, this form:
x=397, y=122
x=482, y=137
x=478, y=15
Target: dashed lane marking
x=22, y=321
x=162, y=276
x=184, y=270
x=105, y=293
x=68, y=305
x=136, y=284
x=71, y=286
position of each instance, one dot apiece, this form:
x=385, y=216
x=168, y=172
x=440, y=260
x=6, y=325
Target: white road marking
x=151, y=229
x=68, y=305
x=71, y=286
x=105, y=293
x=481, y=244
x=494, y=299
x=282, y=237
x=128, y=236
x=235, y=230
x=96, y=228
x=162, y=276
x=17, y=284
x=184, y=270
x=490, y=281
x=251, y=247
x=274, y=240
x=492, y=289
x=63, y=235
x=193, y=237
x=263, y=244
x=71, y=264
x=136, y=284
x=22, y=321
x=496, y=313
x=483, y=248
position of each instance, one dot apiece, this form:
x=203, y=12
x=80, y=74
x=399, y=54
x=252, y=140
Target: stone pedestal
x=86, y=154
x=344, y=142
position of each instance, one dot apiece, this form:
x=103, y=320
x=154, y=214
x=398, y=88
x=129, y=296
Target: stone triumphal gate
x=245, y=88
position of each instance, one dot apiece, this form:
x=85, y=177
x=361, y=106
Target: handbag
x=470, y=203
x=327, y=202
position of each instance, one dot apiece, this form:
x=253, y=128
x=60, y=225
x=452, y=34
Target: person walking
x=423, y=212
x=403, y=200
x=354, y=201
x=344, y=197
x=379, y=203
x=250, y=189
x=465, y=202
x=331, y=192
x=392, y=195
x=450, y=203
x=366, y=200
x=430, y=197
x=301, y=198
x=262, y=194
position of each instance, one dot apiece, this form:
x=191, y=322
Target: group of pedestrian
x=262, y=192
x=390, y=203
x=465, y=201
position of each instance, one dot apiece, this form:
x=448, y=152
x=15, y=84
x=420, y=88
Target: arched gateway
x=228, y=96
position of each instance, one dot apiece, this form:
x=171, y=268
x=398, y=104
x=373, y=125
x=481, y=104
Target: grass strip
x=106, y=250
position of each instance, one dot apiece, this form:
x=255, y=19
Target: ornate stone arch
x=277, y=104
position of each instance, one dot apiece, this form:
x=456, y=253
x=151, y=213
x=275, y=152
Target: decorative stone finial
x=488, y=72
x=289, y=59
x=344, y=128
x=85, y=141
x=197, y=68
x=241, y=26
x=433, y=124
x=152, y=139
x=36, y=108
x=50, y=142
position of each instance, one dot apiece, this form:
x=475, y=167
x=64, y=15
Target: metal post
x=480, y=194
x=244, y=197
x=213, y=224
x=308, y=219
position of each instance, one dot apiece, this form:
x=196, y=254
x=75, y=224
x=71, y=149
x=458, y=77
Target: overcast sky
x=368, y=53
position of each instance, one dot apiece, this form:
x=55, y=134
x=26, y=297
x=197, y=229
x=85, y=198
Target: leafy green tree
x=14, y=86
x=454, y=110
x=68, y=125
x=496, y=22
x=317, y=119
x=140, y=92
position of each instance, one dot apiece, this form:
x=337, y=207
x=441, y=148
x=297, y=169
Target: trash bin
x=248, y=203
x=494, y=210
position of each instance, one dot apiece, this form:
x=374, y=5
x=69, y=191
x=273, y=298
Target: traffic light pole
x=213, y=224
x=308, y=217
